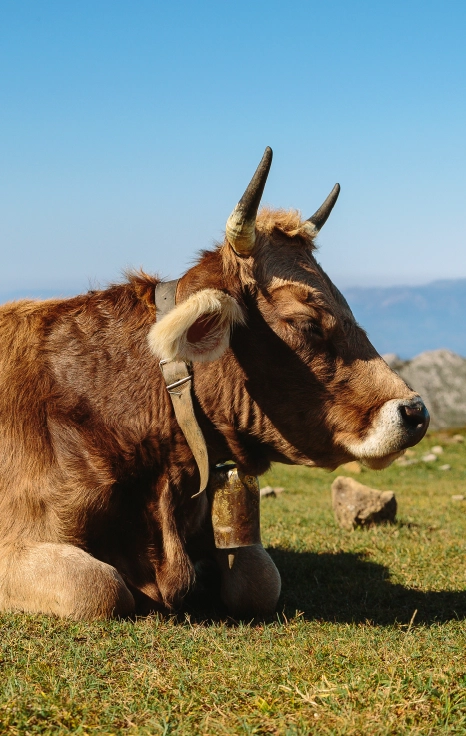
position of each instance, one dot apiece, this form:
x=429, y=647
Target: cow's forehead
x=284, y=257
x=312, y=286
x=285, y=250
x=290, y=263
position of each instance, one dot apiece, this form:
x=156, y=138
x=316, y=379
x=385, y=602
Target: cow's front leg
x=43, y=577
x=250, y=584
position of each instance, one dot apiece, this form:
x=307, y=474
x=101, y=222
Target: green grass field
x=369, y=638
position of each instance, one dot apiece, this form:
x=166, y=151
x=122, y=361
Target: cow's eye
x=310, y=329
x=314, y=330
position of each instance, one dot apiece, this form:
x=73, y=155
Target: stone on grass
x=445, y=467
x=405, y=461
x=408, y=458
x=457, y=438
x=457, y=497
x=357, y=505
x=437, y=450
x=429, y=458
x=268, y=491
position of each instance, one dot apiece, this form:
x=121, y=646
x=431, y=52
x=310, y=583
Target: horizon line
x=69, y=289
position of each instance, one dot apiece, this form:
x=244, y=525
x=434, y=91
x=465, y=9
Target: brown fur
x=93, y=467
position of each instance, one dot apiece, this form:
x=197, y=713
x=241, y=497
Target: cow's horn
x=320, y=217
x=240, y=228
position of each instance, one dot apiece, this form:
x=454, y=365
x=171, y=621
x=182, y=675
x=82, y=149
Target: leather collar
x=178, y=380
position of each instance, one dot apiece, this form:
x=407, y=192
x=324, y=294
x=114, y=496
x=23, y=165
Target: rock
x=457, y=497
x=357, y=505
x=352, y=467
x=457, y=438
x=408, y=458
x=404, y=461
x=437, y=450
x=268, y=491
x=394, y=361
x=429, y=458
x=445, y=467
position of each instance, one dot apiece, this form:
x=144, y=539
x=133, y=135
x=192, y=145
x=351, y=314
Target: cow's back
x=68, y=372
x=25, y=386
x=25, y=380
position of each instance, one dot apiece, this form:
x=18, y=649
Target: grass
x=370, y=635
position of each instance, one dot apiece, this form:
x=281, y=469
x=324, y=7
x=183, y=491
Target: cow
x=100, y=509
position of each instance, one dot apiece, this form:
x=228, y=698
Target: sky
x=129, y=130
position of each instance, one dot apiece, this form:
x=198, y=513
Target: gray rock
x=440, y=377
x=404, y=462
x=357, y=505
x=269, y=492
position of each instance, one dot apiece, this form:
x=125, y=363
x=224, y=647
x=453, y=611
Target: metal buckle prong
x=177, y=383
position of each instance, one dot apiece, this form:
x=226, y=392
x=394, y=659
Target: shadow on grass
x=346, y=587
x=343, y=587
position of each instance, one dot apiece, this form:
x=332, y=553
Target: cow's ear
x=198, y=329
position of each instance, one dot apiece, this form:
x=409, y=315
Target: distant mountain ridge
x=408, y=320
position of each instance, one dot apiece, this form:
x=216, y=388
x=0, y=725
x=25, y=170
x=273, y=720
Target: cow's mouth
x=400, y=424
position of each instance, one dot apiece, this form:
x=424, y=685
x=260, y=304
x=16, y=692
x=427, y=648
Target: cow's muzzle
x=399, y=424
x=415, y=418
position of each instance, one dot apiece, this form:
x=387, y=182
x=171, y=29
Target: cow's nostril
x=414, y=415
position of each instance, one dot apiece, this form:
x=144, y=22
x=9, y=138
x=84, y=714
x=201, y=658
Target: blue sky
x=129, y=130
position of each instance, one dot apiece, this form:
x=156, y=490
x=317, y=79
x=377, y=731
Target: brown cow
x=98, y=512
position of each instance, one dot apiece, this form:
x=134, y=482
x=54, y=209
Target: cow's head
x=301, y=377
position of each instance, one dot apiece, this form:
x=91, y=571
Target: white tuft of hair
x=168, y=339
